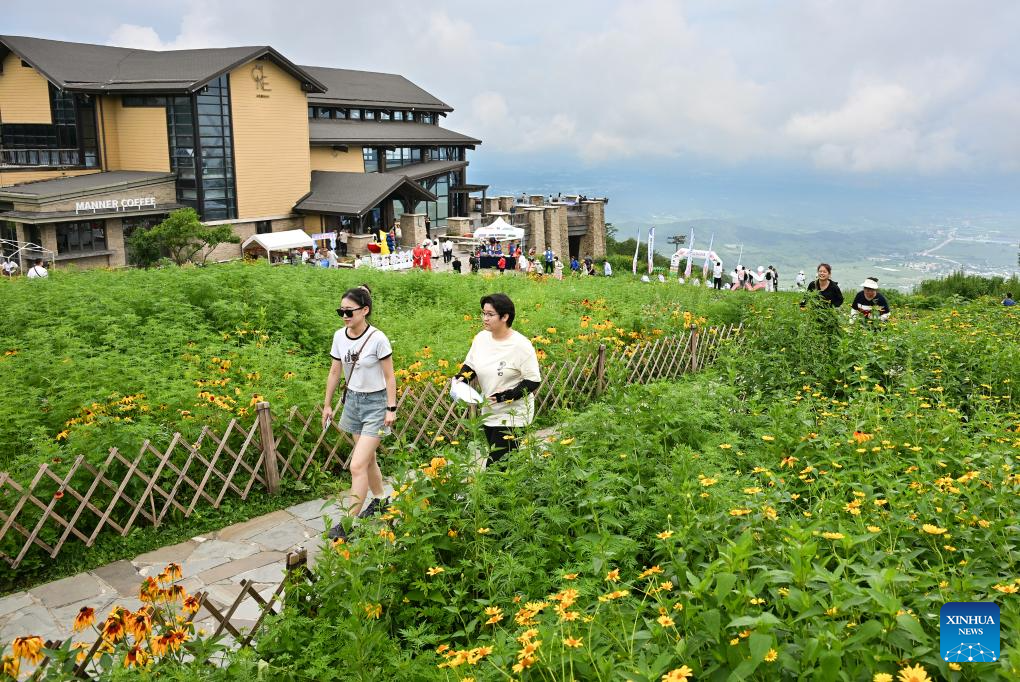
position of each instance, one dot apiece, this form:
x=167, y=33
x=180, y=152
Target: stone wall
x=456, y=227
x=555, y=218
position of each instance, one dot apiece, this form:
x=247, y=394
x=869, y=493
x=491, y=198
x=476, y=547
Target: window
x=371, y=155
x=403, y=156
x=81, y=238
x=427, y=118
x=369, y=114
x=10, y=233
x=354, y=114
x=398, y=116
x=70, y=140
x=143, y=101
x=323, y=112
x=263, y=227
x=340, y=113
x=384, y=115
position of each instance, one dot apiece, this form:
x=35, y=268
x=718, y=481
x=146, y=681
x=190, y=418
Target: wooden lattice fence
x=77, y=501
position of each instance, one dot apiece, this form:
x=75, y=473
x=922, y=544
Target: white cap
x=870, y=284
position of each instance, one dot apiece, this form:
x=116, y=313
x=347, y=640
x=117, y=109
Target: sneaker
x=376, y=506
x=337, y=532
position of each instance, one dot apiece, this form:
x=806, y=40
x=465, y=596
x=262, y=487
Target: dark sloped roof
x=359, y=88
x=356, y=193
x=101, y=68
x=81, y=184
x=328, y=131
x=418, y=171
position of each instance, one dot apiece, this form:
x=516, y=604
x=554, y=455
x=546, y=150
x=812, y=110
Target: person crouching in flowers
x=364, y=355
x=506, y=366
x=869, y=304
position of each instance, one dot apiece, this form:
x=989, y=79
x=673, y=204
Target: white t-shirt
x=368, y=375
x=10, y=267
x=502, y=365
x=608, y=269
x=717, y=271
x=37, y=271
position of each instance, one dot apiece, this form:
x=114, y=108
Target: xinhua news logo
x=969, y=632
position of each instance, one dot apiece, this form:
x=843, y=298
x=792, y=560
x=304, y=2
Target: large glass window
x=403, y=156
x=427, y=117
x=10, y=233
x=81, y=238
x=202, y=154
x=70, y=140
x=371, y=155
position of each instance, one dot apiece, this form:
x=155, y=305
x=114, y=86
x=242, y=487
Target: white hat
x=870, y=283
x=761, y=269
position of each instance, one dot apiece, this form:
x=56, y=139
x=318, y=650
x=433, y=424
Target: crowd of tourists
x=501, y=360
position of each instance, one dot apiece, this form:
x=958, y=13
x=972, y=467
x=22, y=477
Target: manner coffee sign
x=114, y=204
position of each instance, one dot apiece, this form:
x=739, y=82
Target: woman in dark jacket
x=827, y=289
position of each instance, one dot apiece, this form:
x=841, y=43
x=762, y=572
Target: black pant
x=501, y=439
x=548, y=267
x=717, y=282
x=447, y=256
x=343, y=248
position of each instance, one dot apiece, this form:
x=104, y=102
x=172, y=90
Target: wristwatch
x=391, y=408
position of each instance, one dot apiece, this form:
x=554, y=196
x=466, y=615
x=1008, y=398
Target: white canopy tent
x=500, y=230
x=280, y=241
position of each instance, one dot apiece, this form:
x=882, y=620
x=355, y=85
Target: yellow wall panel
x=18, y=177
x=24, y=93
x=135, y=137
x=109, y=142
x=326, y=159
x=271, y=152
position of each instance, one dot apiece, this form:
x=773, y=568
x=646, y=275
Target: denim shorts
x=364, y=414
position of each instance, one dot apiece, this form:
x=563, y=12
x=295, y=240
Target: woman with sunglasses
x=364, y=355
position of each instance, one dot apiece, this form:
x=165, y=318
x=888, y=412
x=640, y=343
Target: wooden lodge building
x=98, y=141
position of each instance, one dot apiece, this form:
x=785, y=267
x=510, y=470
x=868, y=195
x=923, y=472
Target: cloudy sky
x=840, y=94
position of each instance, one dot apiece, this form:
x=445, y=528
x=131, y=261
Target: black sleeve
x=466, y=372
x=518, y=391
x=837, y=295
x=856, y=305
x=882, y=303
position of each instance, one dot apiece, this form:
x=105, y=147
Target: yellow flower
x=573, y=642
x=136, y=657
x=771, y=656
x=874, y=529
x=768, y=439
x=483, y=531
x=570, y=576
x=739, y=512
x=649, y=571
x=613, y=576
x=435, y=570
x=86, y=616
x=566, y=441
x=1006, y=589
x=882, y=677
x=833, y=536
x=933, y=530
x=28, y=648
x=665, y=621
x=665, y=535
x=10, y=666
x=681, y=674
x=913, y=674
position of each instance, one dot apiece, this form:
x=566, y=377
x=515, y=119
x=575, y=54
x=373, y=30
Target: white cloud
x=861, y=87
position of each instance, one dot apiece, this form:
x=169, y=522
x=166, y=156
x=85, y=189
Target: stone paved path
x=253, y=550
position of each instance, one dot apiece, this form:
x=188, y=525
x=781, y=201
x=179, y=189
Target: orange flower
x=137, y=657
x=862, y=437
x=10, y=666
x=113, y=629
x=86, y=616
x=573, y=642
x=613, y=576
x=913, y=674
x=174, y=571
x=139, y=624
x=149, y=589
x=191, y=605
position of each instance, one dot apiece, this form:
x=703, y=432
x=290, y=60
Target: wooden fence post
x=694, y=349
x=600, y=371
x=269, y=464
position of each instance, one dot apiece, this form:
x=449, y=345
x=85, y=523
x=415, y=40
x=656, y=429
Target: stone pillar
x=490, y=205
x=412, y=229
x=556, y=230
x=357, y=244
x=456, y=227
x=536, y=199
x=115, y=242
x=506, y=203
x=593, y=243
x=48, y=233
x=534, y=230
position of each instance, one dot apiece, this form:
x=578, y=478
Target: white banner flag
x=690, y=255
x=651, y=249
x=637, y=247
x=704, y=268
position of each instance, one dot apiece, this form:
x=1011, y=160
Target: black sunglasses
x=347, y=312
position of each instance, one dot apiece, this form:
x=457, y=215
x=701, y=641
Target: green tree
x=183, y=236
